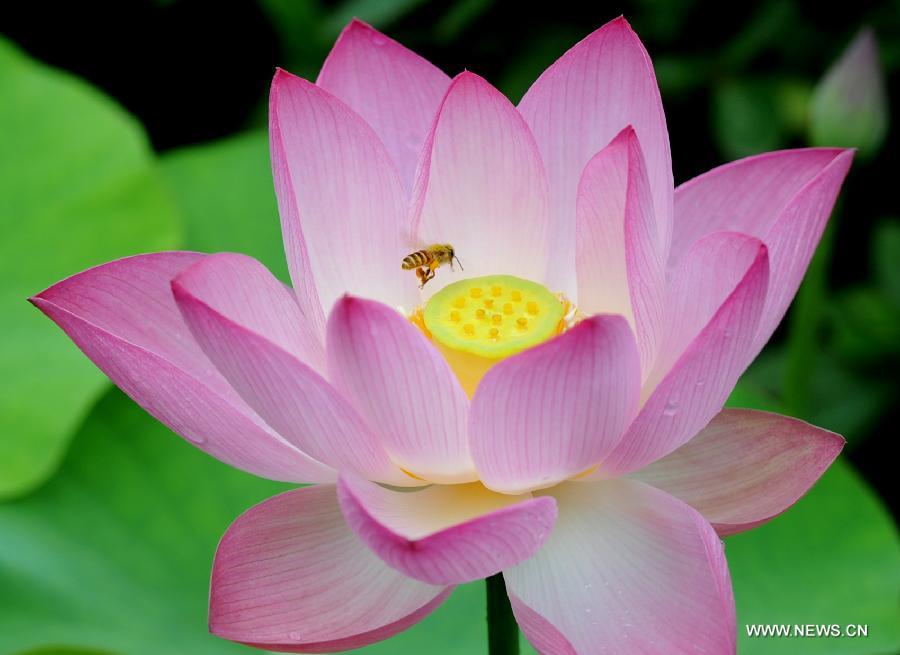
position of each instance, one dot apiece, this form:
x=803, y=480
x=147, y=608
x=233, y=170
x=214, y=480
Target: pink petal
x=619, y=262
x=706, y=277
x=783, y=198
x=745, y=467
x=288, y=394
x=628, y=569
x=123, y=316
x=242, y=288
x=578, y=105
x=541, y=633
x=553, y=411
x=395, y=90
x=746, y=196
x=446, y=534
x=343, y=206
x=289, y=575
x=404, y=388
x=696, y=388
x=792, y=240
x=481, y=185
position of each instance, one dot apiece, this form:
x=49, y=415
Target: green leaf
x=114, y=552
x=746, y=117
x=886, y=257
x=834, y=558
x=379, y=13
x=78, y=187
x=227, y=198
x=64, y=650
x=866, y=323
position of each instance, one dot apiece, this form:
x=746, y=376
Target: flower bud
x=849, y=106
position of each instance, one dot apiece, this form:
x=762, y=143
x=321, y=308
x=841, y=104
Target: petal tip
x=619, y=25
x=283, y=77
x=466, y=77
x=357, y=24
x=347, y=303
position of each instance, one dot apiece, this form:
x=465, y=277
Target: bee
x=425, y=261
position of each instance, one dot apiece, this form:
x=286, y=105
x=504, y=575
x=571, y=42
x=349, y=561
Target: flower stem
x=805, y=323
x=503, y=632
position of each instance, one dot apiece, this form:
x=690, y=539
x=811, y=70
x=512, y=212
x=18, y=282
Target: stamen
x=474, y=338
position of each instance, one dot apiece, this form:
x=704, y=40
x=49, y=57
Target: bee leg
x=425, y=276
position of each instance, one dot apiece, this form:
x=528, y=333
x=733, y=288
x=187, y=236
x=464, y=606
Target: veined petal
x=242, y=288
x=481, y=186
x=696, y=388
x=289, y=575
x=446, y=534
x=576, y=107
x=747, y=195
x=123, y=317
x=793, y=238
x=782, y=198
x=745, y=467
x=404, y=388
x=343, y=207
x=628, y=567
x=555, y=410
x=395, y=90
x=288, y=394
x=706, y=277
x=618, y=258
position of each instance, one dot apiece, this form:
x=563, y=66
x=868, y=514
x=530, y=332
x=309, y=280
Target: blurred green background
x=132, y=126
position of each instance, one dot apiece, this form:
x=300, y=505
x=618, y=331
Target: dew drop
x=196, y=439
x=671, y=408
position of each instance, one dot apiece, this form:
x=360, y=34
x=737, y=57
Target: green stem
x=806, y=318
x=503, y=632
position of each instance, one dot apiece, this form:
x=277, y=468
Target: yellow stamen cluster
x=479, y=321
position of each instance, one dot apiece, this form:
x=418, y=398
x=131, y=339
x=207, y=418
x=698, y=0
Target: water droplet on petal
x=671, y=408
x=196, y=439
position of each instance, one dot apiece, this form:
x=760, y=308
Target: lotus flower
x=553, y=412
